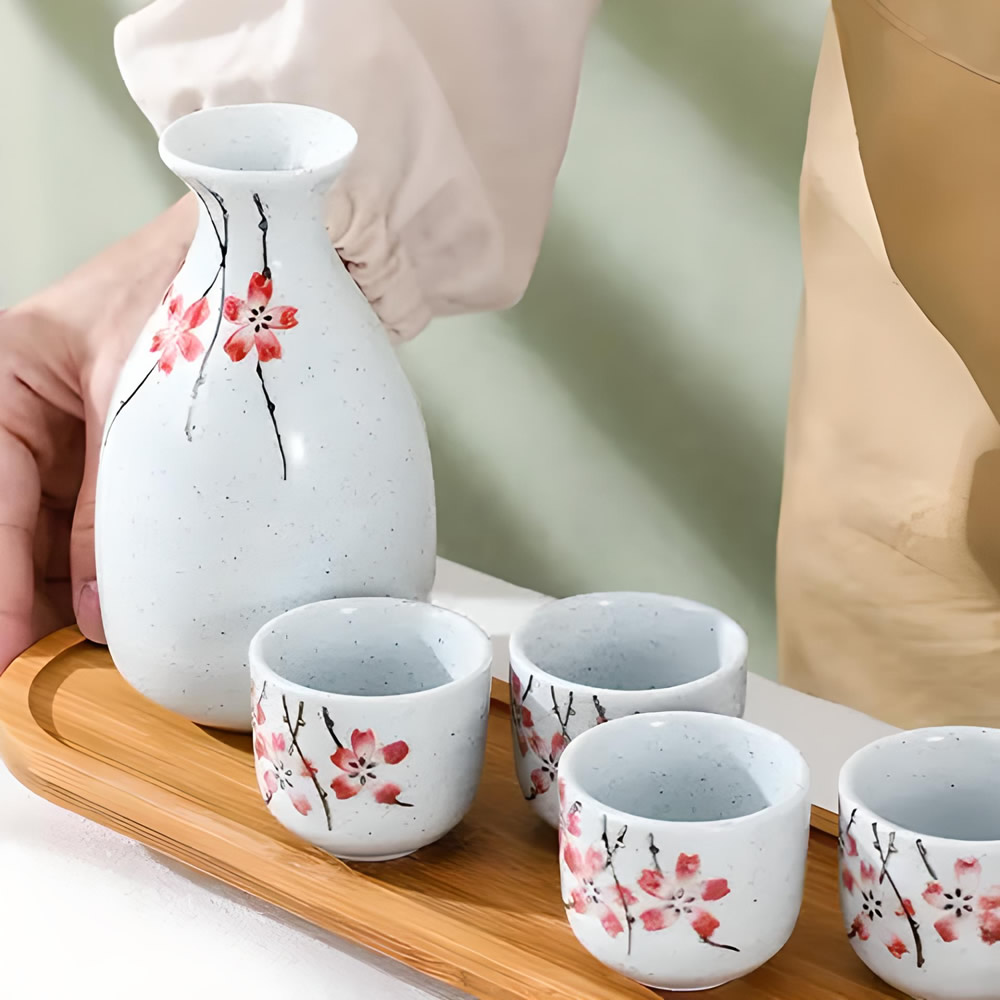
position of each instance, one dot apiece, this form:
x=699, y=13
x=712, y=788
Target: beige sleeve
x=463, y=110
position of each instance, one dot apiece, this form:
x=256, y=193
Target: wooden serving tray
x=480, y=909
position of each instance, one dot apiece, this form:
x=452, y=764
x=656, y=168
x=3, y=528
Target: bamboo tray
x=480, y=909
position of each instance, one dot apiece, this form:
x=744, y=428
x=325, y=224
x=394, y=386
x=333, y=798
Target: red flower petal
x=301, y=803
x=611, y=924
x=309, y=769
x=393, y=753
x=714, y=888
x=559, y=743
x=234, y=309
x=989, y=927
x=526, y=719
x=268, y=345
x=167, y=359
x=278, y=742
x=259, y=290
x=344, y=788
x=363, y=743
x=860, y=927
x=896, y=946
x=270, y=782
x=196, y=314
x=562, y=792
x=579, y=900
x=626, y=895
x=907, y=908
x=848, y=879
x=658, y=919
x=190, y=346
x=537, y=744
x=573, y=822
x=345, y=759
x=540, y=780
x=852, y=846
x=259, y=713
x=573, y=858
x=259, y=750
x=990, y=900
x=515, y=684
x=688, y=866
x=704, y=923
x=593, y=862
x=522, y=740
x=947, y=928
x=239, y=343
x=867, y=872
x=967, y=873
x=655, y=883
x=934, y=894
x=283, y=318
x=387, y=794
x=175, y=307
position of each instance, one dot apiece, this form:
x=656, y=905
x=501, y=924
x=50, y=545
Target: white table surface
x=88, y=914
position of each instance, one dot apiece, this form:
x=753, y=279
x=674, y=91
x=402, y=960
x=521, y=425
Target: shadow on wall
x=669, y=414
x=747, y=78
x=84, y=32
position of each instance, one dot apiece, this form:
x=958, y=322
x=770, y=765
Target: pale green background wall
x=623, y=426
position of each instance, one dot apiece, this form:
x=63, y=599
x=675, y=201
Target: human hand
x=60, y=354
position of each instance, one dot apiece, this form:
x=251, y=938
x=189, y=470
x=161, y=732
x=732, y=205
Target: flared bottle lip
x=258, y=144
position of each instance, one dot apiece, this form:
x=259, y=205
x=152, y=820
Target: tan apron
x=888, y=549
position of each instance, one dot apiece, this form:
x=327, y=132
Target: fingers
x=20, y=497
x=82, y=560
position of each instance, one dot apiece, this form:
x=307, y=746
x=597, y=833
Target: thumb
x=82, y=559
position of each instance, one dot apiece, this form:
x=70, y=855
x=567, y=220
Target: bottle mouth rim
x=258, y=143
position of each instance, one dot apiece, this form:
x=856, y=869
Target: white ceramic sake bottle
x=263, y=447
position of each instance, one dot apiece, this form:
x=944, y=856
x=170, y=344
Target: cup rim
x=848, y=773
x=259, y=664
x=517, y=651
x=788, y=801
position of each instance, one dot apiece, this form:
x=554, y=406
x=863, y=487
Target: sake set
x=265, y=543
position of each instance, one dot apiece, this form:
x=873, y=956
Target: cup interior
x=936, y=782
x=685, y=767
x=630, y=641
x=371, y=647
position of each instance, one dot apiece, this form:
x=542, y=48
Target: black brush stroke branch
x=128, y=399
x=563, y=723
x=610, y=852
x=223, y=241
x=841, y=834
x=885, y=876
x=274, y=422
x=262, y=226
x=256, y=708
x=925, y=859
x=306, y=764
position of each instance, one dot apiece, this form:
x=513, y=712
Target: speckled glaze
x=920, y=861
x=578, y=662
x=369, y=721
x=683, y=839
x=247, y=471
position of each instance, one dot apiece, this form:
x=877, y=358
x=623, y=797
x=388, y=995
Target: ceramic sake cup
x=583, y=660
x=683, y=839
x=369, y=722
x=920, y=861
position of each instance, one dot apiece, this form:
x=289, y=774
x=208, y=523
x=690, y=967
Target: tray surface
x=480, y=909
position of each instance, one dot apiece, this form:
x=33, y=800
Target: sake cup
x=920, y=861
x=578, y=662
x=369, y=722
x=683, y=841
